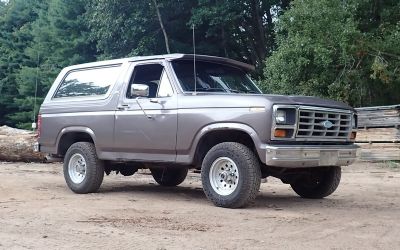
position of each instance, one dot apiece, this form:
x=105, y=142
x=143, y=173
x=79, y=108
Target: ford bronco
x=171, y=113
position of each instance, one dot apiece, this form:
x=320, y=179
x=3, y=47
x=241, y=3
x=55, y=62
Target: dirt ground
x=37, y=210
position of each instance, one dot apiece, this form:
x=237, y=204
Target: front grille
x=319, y=124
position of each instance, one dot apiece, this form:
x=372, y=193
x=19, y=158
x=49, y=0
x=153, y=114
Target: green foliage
x=241, y=30
x=38, y=39
x=238, y=29
x=15, y=35
x=343, y=50
x=123, y=29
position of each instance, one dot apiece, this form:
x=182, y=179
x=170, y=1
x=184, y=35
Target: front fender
x=227, y=126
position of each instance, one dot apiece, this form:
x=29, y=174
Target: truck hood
x=227, y=100
x=306, y=100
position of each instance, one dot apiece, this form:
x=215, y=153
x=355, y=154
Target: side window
x=88, y=82
x=165, y=89
x=150, y=75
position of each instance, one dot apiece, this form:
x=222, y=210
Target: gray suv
x=171, y=113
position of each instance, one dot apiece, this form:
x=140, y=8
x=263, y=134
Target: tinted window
x=213, y=77
x=89, y=82
x=148, y=74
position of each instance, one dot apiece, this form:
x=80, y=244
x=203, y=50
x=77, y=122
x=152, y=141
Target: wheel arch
x=70, y=135
x=216, y=133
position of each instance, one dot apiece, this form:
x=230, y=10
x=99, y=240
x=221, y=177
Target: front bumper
x=299, y=156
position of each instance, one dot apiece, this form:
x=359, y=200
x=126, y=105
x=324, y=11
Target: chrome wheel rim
x=224, y=176
x=77, y=168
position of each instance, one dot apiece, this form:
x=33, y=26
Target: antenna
x=36, y=88
x=194, y=62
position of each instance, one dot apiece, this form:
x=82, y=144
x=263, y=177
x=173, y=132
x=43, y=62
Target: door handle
x=123, y=106
x=154, y=100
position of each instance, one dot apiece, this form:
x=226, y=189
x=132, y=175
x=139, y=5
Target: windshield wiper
x=226, y=90
x=223, y=89
x=252, y=92
x=212, y=89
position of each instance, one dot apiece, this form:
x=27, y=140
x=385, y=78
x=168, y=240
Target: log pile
x=379, y=133
x=380, y=151
x=376, y=135
x=17, y=145
x=379, y=117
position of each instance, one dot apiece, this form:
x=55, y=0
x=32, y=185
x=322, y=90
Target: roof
x=171, y=57
x=222, y=60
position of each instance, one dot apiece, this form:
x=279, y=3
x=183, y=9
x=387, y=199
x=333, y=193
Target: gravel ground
x=37, y=211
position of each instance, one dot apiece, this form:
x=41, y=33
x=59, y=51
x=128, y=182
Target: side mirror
x=139, y=90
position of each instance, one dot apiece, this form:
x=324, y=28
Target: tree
x=15, y=36
x=43, y=38
x=379, y=52
x=335, y=49
x=123, y=29
x=239, y=29
x=160, y=20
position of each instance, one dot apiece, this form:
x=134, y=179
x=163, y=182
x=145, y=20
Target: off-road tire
x=249, y=175
x=169, y=176
x=327, y=183
x=94, y=168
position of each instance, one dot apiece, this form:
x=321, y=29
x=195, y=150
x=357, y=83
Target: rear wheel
x=169, y=176
x=319, y=183
x=83, y=171
x=231, y=175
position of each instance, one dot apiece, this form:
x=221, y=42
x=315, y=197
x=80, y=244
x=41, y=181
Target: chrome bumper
x=298, y=156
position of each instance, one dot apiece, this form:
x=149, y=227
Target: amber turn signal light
x=353, y=135
x=280, y=133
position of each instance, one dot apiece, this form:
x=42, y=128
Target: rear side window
x=88, y=82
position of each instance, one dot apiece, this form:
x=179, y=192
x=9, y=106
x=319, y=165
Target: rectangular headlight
x=280, y=116
x=284, y=122
x=285, y=116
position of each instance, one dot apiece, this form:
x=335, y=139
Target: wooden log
x=378, y=135
x=379, y=151
x=377, y=117
x=17, y=145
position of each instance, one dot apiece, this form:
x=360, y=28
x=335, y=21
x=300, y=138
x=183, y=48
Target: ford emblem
x=327, y=124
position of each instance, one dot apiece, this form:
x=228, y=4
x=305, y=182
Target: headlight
x=283, y=122
x=280, y=116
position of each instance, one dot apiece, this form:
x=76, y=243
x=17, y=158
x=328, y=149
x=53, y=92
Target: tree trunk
x=17, y=145
x=162, y=27
x=259, y=32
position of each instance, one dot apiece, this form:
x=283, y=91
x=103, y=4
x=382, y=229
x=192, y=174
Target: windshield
x=213, y=77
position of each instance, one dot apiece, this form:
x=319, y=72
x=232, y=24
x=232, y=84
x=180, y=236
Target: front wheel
x=231, y=175
x=83, y=171
x=318, y=183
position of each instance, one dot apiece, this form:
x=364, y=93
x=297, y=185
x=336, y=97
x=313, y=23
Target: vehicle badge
x=327, y=124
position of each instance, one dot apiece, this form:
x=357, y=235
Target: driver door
x=146, y=126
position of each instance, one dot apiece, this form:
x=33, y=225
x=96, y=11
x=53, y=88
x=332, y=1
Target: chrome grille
x=320, y=124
